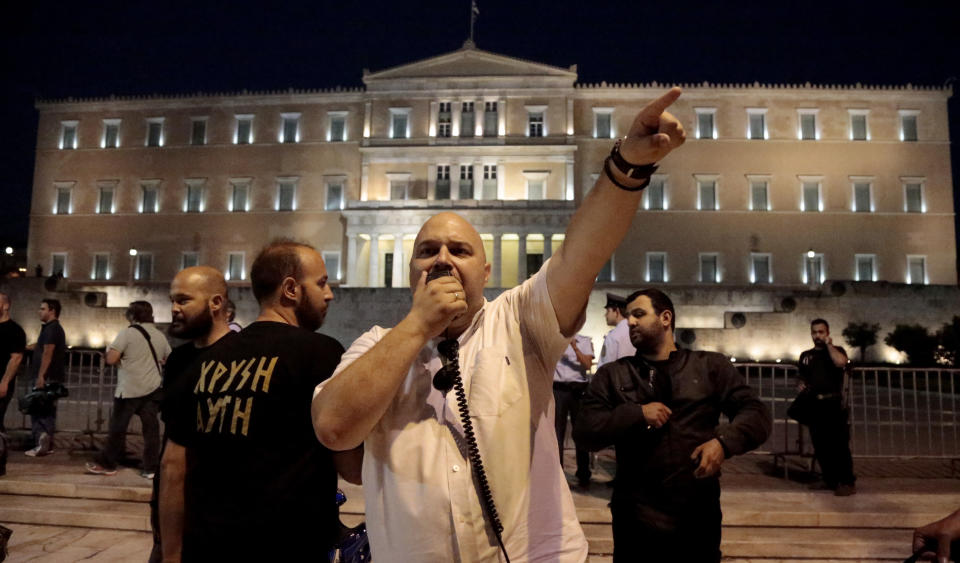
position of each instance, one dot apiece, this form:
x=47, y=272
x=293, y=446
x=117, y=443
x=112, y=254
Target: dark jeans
x=45, y=422
x=695, y=538
x=830, y=434
x=5, y=401
x=567, y=397
x=148, y=409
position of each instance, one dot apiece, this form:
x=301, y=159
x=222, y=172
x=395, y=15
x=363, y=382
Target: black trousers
x=830, y=434
x=695, y=537
x=567, y=399
x=5, y=401
x=148, y=409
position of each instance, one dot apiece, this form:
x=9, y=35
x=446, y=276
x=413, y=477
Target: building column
x=431, y=181
x=569, y=180
x=455, y=111
x=367, y=114
x=364, y=181
x=351, y=260
x=522, y=259
x=373, y=278
x=501, y=180
x=477, y=177
x=479, y=110
x=397, y=260
x=547, y=246
x=496, y=262
x=455, y=181
x=569, y=117
x=434, y=112
x=502, y=117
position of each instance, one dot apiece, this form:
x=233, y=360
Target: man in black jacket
x=661, y=408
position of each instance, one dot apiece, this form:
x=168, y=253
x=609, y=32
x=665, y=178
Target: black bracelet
x=635, y=171
x=606, y=170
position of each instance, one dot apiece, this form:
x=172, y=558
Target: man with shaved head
x=198, y=298
x=256, y=483
x=418, y=475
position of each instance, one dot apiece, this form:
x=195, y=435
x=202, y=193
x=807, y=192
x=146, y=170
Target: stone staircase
x=765, y=519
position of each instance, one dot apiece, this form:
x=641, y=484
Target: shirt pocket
x=496, y=383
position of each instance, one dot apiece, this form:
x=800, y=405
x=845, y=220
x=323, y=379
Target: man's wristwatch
x=633, y=171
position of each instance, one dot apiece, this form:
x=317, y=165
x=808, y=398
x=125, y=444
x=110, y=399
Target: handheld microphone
x=448, y=349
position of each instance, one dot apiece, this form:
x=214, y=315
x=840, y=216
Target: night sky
x=59, y=49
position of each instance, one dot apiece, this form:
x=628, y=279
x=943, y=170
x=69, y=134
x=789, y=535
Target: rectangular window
x=149, y=200
x=290, y=130
x=760, y=271
x=908, y=125
x=468, y=120
x=858, y=125
x=813, y=269
x=808, y=124
x=111, y=134
x=194, y=203
x=335, y=197
x=143, y=269
x=399, y=123
x=444, y=120
x=337, y=131
x=155, y=132
x=913, y=197
x=198, y=131
x=466, y=181
x=235, y=269
x=656, y=194
x=490, y=187
x=657, y=267
x=491, y=119
x=332, y=261
x=757, y=123
x=101, y=266
x=286, y=195
x=535, y=124
x=105, y=201
x=388, y=269
x=917, y=269
x=58, y=264
x=603, y=123
x=535, y=189
x=63, y=201
x=442, y=190
x=68, y=134
x=708, y=268
x=707, y=191
x=811, y=196
x=706, y=128
x=189, y=259
x=759, y=195
x=866, y=267
x=240, y=198
x=861, y=197
x=244, y=132
x=399, y=188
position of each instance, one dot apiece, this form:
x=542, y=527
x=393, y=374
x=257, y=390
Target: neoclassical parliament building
x=778, y=185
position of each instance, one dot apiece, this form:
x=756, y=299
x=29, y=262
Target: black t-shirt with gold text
x=258, y=482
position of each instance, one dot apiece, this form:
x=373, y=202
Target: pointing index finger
x=658, y=106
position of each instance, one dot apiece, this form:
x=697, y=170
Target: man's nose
x=443, y=256
x=327, y=293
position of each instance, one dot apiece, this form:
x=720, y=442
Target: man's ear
x=216, y=303
x=290, y=289
x=666, y=317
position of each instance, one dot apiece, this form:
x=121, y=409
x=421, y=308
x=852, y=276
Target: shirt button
x=456, y=468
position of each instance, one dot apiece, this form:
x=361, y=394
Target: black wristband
x=609, y=173
x=635, y=171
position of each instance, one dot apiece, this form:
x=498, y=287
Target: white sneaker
x=46, y=446
x=33, y=452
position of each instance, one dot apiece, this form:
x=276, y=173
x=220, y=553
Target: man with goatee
x=661, y=409
x=257, y=486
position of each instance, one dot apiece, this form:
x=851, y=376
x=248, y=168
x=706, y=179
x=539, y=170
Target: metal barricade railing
x=87, y=409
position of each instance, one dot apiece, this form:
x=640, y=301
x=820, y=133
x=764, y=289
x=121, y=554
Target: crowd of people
x=451, y=419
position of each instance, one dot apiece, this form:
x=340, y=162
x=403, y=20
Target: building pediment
x=470, y=63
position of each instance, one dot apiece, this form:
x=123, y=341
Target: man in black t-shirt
x=197, y=301
x=821, y=374
x=258, y=485
x=48, y=366
x=12, y=343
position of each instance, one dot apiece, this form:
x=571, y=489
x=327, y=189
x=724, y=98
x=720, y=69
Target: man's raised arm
x=604, y=217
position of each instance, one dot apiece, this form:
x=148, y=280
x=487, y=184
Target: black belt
x=569, y=385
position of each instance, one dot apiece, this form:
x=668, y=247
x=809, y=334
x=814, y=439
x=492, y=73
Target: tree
x=949, y=339
x=862, y=336
x=915, y=341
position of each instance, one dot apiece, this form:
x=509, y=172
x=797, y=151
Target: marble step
x=27, y=487
x=78, y=512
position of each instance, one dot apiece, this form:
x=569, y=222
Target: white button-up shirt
x=616, y=344
x=418, y=484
